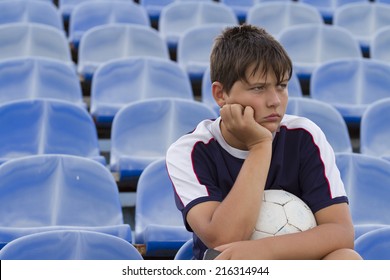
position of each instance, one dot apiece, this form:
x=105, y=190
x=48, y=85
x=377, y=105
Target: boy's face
x=267, y=98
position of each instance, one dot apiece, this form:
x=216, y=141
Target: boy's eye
x=282, y=86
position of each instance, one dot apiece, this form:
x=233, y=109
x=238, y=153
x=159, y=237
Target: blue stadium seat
x=361, y=229
x=276, y=16
x=374, y=130
x=379, y=48
x=69, y=245
x=327, y=7
x=47, y=126
x=351, y=85
x=366, y=183
x=39, y=77
x=154, y=7
x=143, y=130
x=240, y=7
x=120, y=82
x=194, y=48
x=158, y=223
x=42, y=12
x=363, y=20
x=115, y=41
x=374, y=245
x=294, y=89
x=185, y=251
x=326, y=117
x=310, y=45
x=95, y=13
x=33, y=39
x=53, y=192
x=180, y=16
x=67, y=6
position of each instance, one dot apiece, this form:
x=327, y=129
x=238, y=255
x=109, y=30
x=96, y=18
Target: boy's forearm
x=315, y=243
x=236, y=216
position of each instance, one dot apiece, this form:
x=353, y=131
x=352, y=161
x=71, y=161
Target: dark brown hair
x=244, y=46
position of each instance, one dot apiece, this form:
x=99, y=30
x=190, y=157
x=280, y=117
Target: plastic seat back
x=351, y=85
x=326, y=117
x=66, y=7
x=374, y=245
x=374, y=133
x=194, y=48
x=310, y=45
x=327, y=8
x=142, y=131
x=276, y=16
x=158, y=223
x=43, y=126
x=366, y=182
x=39, y=77
x=69, y=245
x=51, y=192
x=180, y=16
x=185, y=252
x=43, y=12
x=379, y=45
x=363, y=20
x=115, y=41
x=33, y=39
x=120, y=82
x=95, y=13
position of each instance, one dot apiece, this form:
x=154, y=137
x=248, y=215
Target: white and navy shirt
x=203, y=167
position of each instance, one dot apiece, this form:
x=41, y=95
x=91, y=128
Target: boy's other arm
x=334, y=231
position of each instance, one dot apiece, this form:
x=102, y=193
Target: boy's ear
x=218, y=93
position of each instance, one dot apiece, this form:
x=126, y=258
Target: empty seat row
x=63, y=197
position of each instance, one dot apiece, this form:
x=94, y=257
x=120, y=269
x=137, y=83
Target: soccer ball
x=282, y=212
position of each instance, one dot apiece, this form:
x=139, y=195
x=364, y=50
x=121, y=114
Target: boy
x=220, y=170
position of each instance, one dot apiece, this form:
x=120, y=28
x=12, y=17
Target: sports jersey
x=203, y=167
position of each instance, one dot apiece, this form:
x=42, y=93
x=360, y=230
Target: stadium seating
x=54, y=192
x=154, y=7
x=374, y=245
x=310, y=45
x=366, y=182
x=350, y=85
x=379, y=45
x=374, y=130
x=158, y=223
x=69, y=245
x=95, y=13
x=276, y=16
x=194, y=48
x=185, y=251
x=364, y=228
x=180, y=16
x=142, y=131
x=66, y=7
x=326, y=117
x=39, y=77
x=33, y=39
x=363, y=20
x=42, y=12
x=115, y=41
x=120, y=82
x=47, y=126
x=327, y=7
